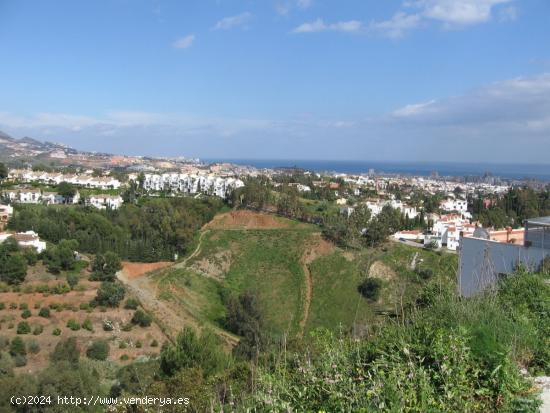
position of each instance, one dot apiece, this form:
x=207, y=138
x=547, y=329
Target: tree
x=110, y=294
x=66, y=350
x=3, y=172
x=98, y=350
x=61, y=256
x=13, y=268
x=66, y=190
x=142, y=319
x=105, y=266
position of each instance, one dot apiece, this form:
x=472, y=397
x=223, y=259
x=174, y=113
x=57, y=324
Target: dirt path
x=314, y=250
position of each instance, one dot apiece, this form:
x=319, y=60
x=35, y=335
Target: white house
x=105, y=201
x=452, y=204
x=28, y=239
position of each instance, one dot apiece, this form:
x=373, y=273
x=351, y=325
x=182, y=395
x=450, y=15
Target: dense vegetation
x=513, y=208
x=154, y=230
x=444, y=354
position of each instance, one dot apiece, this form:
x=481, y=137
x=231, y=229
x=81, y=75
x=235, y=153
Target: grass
x=335, y=300
x=267, y=263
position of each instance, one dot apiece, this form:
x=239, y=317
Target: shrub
x=56, y=331
x=38, y=329
x=23, y=306
x=139, y=344
x=4, y=343
x=44, y=312
x=131, y=304
x=2, y=306
x=13, y=306
x=20, y=361
x=154, y=343
x=85, y=306
x=26, y=314
x=425, y=273
x=17, y=347
x=33, y=347
x=87, y=325
x=73, y=324
x=66, y=350
x=142, y=319
x=72, y=280
x=98, y=350
x=110, y=294
x=124, y=357
x=122, y=345
x=127, y=327
x=37, y=306
x=23, y=328
x=60, y=289
x=370, y=288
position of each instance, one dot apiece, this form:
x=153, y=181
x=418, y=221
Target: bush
x=66, y=350
x=73, y=324
x=139, y=344
x=33, y=347
x=87, y=325
x=72, y=280
x=38, y=329
x=131, y=304
x=124, y=357
x=23, y=328
x=425, y=273
x=44, y=312
x=85, y=306
x=370, y=288
x=17, y=347
x=13, y=306
x=98, y=350
x=56, y=331
x=20, y=361
x=110, y=294
x=122, y=345
x=26, y=314
x=142, y=319
x=2, y=306
x=105, y=266
x=23, y=306
x=154, y=343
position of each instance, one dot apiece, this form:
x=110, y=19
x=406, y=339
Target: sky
x=400, y=80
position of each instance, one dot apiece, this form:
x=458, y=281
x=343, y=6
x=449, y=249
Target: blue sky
x=417, y=80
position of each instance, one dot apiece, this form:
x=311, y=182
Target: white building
x=452, y=205
x=105, y=201
x=28, y=239
x=191, y=184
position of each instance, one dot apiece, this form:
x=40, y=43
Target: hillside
x=301, y=281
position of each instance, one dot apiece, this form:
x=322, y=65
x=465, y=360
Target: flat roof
x=539, y=221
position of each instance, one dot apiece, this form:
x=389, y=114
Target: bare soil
x=138, y=269
x=243, y=219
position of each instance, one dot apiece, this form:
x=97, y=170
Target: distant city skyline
x=416, y=80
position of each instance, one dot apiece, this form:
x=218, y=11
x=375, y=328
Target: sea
x=507, y=171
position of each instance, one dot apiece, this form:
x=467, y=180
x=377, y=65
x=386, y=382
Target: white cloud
x=351, y=26
x=184, y=42
x=233, y=21
x=457, y=12
x=397, y=26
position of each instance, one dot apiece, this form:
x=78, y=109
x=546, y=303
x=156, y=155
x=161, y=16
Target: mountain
x=28, y=148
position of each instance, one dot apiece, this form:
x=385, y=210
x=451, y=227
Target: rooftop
x=539, y=221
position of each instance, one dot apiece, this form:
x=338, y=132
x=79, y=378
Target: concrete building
x=483, y=261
